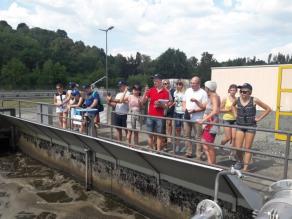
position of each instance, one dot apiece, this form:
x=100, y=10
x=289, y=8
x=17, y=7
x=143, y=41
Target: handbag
x=187, y=115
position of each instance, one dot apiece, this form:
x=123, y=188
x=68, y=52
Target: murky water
x=29, y=190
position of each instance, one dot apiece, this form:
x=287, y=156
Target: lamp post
x=106, y=70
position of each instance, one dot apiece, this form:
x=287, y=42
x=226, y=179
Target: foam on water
x=30, y=190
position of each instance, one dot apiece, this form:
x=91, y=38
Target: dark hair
x=60, y=85
x=138, y=88
x=232, y=86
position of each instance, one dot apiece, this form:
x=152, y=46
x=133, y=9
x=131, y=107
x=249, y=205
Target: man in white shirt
x=121, y=108
x=194, y=105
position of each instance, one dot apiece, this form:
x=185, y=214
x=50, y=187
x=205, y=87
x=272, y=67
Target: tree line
x=35, y=58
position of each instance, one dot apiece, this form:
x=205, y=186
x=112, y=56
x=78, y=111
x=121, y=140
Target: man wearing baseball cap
x=158, y=98
x=121, y=108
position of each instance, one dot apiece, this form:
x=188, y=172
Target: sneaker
x=238, y=165
x=203, y=157
x=232, y=156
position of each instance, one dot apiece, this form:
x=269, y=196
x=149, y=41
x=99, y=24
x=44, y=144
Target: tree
x=172, y=64
x=14, y=74
x=204, y=68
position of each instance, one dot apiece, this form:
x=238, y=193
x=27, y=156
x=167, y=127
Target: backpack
x=99, y=106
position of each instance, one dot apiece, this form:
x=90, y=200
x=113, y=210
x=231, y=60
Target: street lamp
x=106, y=70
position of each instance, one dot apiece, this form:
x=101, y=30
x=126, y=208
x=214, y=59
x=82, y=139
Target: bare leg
x=150, y=141
x=211, y=154
x=60, y=115
x=136, y=138
x=119, y=134
x=177, y=134
x=249, y=137
x=65, y=115
x=239, y=138
x=159, y=143
x=129, y=137
x=227, y=135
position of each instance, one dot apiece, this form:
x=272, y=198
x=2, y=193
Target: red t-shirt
x=154, y=95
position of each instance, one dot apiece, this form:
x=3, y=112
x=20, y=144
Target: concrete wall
x=164, y=200
x=264, y=80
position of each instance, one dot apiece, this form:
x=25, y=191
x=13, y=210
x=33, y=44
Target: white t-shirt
x=122, y=108
x=178, y=98
x=199, y=95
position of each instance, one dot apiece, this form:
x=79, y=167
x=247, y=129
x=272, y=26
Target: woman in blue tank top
x=245, y=110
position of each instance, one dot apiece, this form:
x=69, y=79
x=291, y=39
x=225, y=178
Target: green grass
x=27, y=103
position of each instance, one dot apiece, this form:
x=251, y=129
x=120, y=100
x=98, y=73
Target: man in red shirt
x=158, y=98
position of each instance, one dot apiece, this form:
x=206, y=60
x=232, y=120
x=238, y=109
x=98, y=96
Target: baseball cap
x=245, y=85
x=75, y=93
x=121, y=82
x=137, y=87
x=156, y=76
x=86, y=86
x=211, y=85
x=73, y=84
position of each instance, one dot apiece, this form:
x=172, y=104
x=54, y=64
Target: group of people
x=195, y=110
x=68, y=102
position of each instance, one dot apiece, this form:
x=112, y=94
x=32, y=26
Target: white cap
x=211, y=85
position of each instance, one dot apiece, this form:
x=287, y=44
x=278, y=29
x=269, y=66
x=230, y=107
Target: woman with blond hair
x=178, y=108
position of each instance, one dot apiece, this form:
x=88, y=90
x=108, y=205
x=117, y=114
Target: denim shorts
x=178, y=124
x=154, y=125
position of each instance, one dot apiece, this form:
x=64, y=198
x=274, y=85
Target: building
x=271, y=83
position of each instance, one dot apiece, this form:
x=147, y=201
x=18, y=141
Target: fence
x=271, y=158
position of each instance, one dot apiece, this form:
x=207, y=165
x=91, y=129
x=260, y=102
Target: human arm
x=145, y=95
x=263, y=105
x=202, y=106
x=215, y=100
x=234, y=109
x=222, y=107
x=124, y=98
x=80, y=101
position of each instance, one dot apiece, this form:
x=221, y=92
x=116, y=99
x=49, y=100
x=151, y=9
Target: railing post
x=19, y=110
x=41, y=112
x=70, y=119
x=287, y=153
x=173, y=135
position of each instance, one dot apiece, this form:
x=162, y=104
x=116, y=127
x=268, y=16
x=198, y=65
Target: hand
x=108, y=98
x=194, y=100
x=257, y=119
x=146, y=88
x=200, y=121
x=158, y=104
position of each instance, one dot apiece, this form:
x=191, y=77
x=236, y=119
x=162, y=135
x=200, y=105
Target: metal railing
x=106, y=131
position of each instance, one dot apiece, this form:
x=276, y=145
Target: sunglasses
x=165, y=83
x=58, y=88
x=244, y=91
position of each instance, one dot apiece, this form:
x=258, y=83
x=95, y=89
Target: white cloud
x=246, y=28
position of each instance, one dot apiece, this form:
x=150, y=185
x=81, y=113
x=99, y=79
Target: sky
x=225, y=28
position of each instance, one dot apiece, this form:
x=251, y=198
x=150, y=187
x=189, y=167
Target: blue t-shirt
x=89, y=99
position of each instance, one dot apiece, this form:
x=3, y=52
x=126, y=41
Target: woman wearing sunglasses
x=245, y=110
x=60, y=101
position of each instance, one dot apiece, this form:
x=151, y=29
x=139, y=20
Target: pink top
x=134, y=103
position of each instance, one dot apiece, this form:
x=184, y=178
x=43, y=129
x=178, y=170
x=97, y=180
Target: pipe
x=232, y=171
